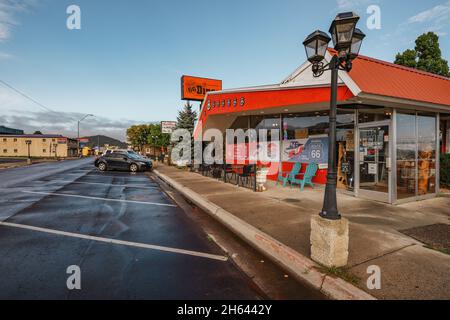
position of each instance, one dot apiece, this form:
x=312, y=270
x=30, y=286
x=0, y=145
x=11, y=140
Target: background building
x=6, y=130
x=41, y=146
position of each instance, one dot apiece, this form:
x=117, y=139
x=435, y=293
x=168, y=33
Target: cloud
x=5, y=56
x=440, y=12
x=9, y=9
x=435, y=18
x=353, y=4
x=20, y=113
x=65, y=123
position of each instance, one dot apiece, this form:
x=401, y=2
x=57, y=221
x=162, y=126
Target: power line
x=28, y=97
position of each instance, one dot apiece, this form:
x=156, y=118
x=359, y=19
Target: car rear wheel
x=134, y=167
x=102, y=166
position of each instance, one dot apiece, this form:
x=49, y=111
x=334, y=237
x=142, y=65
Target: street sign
x=195, y=89
x=168, y=126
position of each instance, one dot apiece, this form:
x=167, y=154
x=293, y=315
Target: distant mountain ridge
x=102, y=140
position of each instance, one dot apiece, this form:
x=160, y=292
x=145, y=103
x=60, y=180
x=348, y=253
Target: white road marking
x=114, y=241
x=112, y=185
x=118, y=176
x=98, y=198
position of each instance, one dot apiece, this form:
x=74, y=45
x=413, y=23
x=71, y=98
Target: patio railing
x=239, y=175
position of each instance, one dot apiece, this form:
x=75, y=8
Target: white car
x=119, y=151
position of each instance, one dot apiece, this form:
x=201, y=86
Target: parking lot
x=129, y=239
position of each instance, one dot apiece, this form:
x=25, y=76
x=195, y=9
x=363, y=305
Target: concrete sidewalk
x=409, y=270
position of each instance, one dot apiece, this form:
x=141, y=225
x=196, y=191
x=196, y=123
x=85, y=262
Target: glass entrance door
x=374, y=161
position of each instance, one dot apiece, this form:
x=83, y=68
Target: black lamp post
x=347, y=41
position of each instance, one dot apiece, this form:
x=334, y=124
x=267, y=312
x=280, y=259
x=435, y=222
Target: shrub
x=445, y=170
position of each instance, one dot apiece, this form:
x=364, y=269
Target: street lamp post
x=329, y=231
x=155, y=143
x=78, y=135
x=28, y=142
x=347, y=41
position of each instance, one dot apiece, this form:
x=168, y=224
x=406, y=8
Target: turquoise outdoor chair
x=289, y=175
x=310, y=173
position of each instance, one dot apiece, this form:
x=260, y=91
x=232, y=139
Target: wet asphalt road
x=74, y=197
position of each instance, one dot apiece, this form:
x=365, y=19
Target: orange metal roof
x=387, y=79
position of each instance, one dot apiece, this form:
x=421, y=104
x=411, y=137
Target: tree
x=156, y=137
x=186, y=118
x=38, y=132
x=408, y=58
x=426, y=56
x=138, y=135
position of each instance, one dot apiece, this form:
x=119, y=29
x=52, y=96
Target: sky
x=125, y=63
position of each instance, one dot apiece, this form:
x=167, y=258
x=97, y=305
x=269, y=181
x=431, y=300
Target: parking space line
x=114, y=185
x=98, y=198
x=118, y=176
x=114, y=241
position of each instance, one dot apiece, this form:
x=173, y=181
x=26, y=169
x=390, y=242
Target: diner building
x=393, y=122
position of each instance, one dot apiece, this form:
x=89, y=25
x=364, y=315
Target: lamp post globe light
x=358, y=37
x=347, y=40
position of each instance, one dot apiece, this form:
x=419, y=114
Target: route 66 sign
x=316, y=151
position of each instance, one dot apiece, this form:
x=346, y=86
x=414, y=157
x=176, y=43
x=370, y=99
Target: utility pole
x=78, y=135
x=28, y=142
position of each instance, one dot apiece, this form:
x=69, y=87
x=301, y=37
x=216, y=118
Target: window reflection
x=426, y=129
x=416, y=155
x=406, y=155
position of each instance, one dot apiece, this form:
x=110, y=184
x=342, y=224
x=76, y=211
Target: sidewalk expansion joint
x=383, y=255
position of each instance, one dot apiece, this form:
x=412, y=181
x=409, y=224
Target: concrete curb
x=300, y=266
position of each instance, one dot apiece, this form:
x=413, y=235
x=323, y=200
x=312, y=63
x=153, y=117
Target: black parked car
x=123, y=161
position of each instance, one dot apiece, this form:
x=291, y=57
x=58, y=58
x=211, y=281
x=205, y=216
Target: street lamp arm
x=88, y=115
x=319, y=68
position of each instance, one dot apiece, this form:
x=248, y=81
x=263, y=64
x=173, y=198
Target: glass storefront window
x=345, y=138
x=426, y=130
x=416, y=154
x=444, y=133
x=240, y=123
x=374, y=158
x=298, y=128
x=374, y=114
x=406, y=155
x=303, y=125
x=268, y=123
